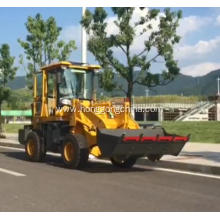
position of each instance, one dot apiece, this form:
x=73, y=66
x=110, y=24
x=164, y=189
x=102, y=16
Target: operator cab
x=64, y=81
x=75, y=84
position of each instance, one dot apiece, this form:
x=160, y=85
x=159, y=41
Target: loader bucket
x=139, y=142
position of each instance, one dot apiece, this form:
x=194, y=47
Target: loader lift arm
x=63, y=92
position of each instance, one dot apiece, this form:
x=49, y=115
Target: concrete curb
x=160, y=164
x=199, y=168
x=8, y=144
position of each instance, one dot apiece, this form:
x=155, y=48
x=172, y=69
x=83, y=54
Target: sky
x=197, y=53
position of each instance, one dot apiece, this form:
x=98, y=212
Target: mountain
x=18, y=82
x=183, y=85
x=187, y=85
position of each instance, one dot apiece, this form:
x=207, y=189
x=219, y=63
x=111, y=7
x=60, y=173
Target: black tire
x=154, y=157
x=34, y=148
x=75, y=151
x=123, y=163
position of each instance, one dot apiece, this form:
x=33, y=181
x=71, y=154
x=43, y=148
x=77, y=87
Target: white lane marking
x=22, y=149
x=10, y=171
x=148, y=167
x=182, y=172
x=170, y=170
x=13, y=173
x=12, y=148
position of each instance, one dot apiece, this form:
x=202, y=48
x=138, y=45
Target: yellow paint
x=70, y=65
x=82, y=122
x=69, y=152
x=95, y=151
x=30, y=147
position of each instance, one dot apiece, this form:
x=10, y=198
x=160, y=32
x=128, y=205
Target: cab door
x=37, y=94
x=51, y=92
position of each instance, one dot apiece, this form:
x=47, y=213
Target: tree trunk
x=130, y=91
x=1, y=129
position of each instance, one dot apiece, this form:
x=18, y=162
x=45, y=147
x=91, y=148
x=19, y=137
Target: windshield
x=76, y=83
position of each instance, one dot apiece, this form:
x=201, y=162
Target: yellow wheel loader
x=68, y=119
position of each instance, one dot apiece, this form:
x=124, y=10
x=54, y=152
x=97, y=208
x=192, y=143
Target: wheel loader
x=67, y=118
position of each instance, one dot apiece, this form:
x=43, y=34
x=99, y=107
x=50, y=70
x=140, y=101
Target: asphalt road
x=51, y=187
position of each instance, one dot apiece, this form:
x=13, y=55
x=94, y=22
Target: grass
x=162, y=99
x=12, y=128
x=168, y=99
x=204, y=132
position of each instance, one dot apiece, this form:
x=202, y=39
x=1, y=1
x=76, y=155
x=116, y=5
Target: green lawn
x=168, y=99
x=12, y=128
x=205, y=132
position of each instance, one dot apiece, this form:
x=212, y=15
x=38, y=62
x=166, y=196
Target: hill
x=19, y=82
x=183, y=85
x=187, y=85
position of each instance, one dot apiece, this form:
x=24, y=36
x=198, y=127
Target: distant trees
x=7, y=72
x=19, y=99
x=156, y=47
x=42, y=44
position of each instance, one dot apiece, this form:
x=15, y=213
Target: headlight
x=67, y=102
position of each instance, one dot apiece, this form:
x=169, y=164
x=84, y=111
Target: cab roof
x=70, y=64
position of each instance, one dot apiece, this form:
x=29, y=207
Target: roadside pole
x=218, y=108
x=84, y=47
x=83, y=40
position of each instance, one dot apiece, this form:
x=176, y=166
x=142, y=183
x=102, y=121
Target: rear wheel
x=75, y=151
x=154, y=157
x=122, y=162
x=34, y=148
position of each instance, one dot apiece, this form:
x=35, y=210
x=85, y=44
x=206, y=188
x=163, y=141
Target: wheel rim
x=69, y=152
x=30, y=147
x=119, y=160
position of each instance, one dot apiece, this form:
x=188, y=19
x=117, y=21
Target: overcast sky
x=198, y=52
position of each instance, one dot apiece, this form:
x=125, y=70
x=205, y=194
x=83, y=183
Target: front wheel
x=123, y=163
x=154, y=157
x=75, y=151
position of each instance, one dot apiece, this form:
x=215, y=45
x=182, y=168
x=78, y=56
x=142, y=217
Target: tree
x=42, y=45
x=20, y=99
x=133, y=66
x=7, y=72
